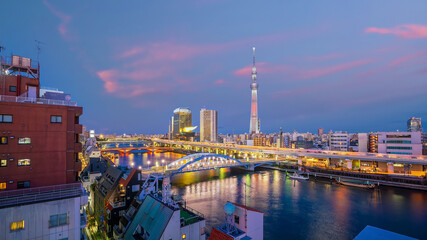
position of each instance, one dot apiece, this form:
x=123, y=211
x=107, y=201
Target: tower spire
x=253, y=56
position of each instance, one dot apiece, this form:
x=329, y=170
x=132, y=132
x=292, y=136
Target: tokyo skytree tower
x=254, y=123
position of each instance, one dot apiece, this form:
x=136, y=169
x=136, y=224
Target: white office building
x=402, y=143
x=53, y=212
x=208, y=125
x=339, y=141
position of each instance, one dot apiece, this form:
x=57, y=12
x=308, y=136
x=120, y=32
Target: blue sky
x=343, y=65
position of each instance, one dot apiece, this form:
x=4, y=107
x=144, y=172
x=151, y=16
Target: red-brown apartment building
x=40, y=194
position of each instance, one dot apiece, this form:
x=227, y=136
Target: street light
x=148, y=162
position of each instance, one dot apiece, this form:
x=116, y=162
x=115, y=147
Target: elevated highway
x=296, y=153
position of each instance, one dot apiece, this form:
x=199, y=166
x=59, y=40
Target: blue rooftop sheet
x=374, y=233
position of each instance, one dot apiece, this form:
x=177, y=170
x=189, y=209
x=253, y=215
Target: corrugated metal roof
x=153, y=216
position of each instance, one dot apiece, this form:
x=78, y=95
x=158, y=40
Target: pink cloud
x=407, y=58
x=65, y=20
x=324, y=57
x=219, y=82
x=297, y=92
x=263, y=68
x=320, y=72
x=404, y=31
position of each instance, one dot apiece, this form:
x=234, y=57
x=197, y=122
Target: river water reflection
x=298, y=209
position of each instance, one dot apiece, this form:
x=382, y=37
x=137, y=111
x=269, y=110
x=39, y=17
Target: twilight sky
x=357, y=66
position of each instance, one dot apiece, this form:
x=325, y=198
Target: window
x=24, y=140
x=3, y=163
x=2, y=186
x=403, y=148
x=58, y=220
x=236, y=219
x=4, y=118
x=3, y=140
x=24, y=162
x=15, y=226
x=12, y=88
x=55, y=119
x=24, y=184
x=398, y=141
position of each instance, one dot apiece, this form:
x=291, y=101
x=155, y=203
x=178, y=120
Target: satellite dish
x=229, y=208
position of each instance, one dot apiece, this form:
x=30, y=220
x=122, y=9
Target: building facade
x=339, y=141
x=40, y=195
x=208, y=125
x=402, y=143
x=414, y=125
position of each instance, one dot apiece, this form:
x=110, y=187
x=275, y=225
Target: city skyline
x=359, y=73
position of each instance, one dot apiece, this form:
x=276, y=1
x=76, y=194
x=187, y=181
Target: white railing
x=4, y=98
x=40, y=194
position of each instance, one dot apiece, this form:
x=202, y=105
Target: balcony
x=13, y=99
x=40, y=194
x=118, y=204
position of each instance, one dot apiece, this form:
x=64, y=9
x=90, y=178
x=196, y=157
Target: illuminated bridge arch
x=201, y=161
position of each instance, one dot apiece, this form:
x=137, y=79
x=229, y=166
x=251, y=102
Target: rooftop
x=370, y=232
x=40, y=194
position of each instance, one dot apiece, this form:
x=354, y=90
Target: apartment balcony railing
x=40, y=194
x=5, y=98
x=118, y=204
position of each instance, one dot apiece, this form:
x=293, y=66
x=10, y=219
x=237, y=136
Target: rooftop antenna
x=38, y=48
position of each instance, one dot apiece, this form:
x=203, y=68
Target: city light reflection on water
x=298, y=209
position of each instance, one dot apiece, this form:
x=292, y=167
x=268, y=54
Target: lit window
x=3, y=163
x=2, y=186
x=183, y=236
x=6, y=118
x=25, y=140
x=55, y=119
x=24, y=162
x=15, y=226
x=3, y=140
x=58, y=220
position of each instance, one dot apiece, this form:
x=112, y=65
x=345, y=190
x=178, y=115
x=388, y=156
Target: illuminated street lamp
x=148, y=162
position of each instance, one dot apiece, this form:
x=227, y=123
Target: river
x=296, y=209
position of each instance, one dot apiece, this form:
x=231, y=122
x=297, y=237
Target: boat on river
x=298, y=177
x=356, y=183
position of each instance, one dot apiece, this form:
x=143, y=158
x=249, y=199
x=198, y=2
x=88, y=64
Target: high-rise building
x=181, y=127
x=254, y=123
x=320, y=131
x=208, y=125
x=414, y=125
x=170, y=135
x=181, y=120
x=41, y=196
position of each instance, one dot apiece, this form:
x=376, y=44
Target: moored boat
x=298, y=177
x=356, y=183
